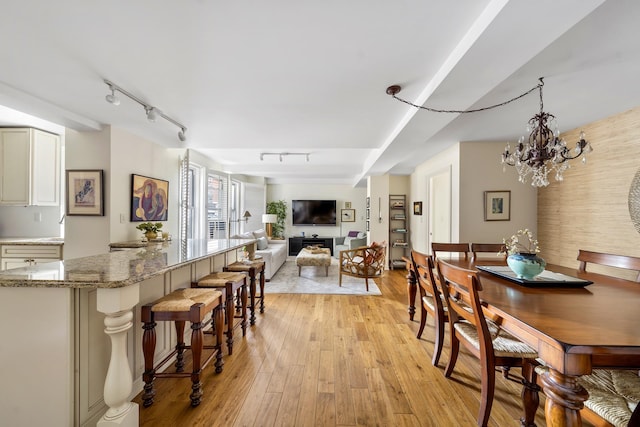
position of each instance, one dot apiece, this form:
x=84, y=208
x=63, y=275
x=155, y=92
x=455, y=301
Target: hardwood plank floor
x=336, y=360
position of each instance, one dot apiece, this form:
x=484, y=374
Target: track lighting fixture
x=152, y=112
x=112, y=98
x=282, y=155
x=181, y=134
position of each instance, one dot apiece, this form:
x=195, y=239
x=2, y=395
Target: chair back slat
x=460, y=289
x=487, y=248
x=459, y=248
x=610, y=260
x=424, y=270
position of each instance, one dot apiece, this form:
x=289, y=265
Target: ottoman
x=314, y=256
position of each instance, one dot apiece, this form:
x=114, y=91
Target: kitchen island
x=72, y=334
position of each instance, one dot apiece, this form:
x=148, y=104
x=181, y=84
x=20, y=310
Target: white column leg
x=117, y=304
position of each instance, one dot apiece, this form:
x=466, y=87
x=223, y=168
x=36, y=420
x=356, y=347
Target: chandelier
x=544, y=151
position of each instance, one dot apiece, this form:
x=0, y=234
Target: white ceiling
x=251, y=76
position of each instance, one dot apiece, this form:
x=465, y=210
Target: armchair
x=353, y=240
x=366, y=262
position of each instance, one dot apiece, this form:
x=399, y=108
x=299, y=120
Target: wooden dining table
x=574, y=329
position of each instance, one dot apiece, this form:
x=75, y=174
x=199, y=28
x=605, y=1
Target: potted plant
x=523, y=256
x=150, y=229
x=278, y=208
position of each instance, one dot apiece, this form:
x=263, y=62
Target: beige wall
x=589, y=209
x=475, y=168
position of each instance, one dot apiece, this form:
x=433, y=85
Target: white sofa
x=274, y=254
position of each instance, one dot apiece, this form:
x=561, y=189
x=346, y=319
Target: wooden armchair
x=479, y=331
x=612, y=392
x=487, y=248
x=609, y=260
x=430, y=300
x=459, y=248
x=366, y=262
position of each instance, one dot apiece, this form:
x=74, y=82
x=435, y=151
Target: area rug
x=313, y=281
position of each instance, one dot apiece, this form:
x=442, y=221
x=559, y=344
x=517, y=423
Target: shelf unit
x=398, y=231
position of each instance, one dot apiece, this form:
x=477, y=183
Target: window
x=216, y=206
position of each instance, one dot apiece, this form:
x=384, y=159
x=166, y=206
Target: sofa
x=354, y=239
x=273, y=252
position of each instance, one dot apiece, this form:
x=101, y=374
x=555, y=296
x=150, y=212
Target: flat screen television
x=314, y=212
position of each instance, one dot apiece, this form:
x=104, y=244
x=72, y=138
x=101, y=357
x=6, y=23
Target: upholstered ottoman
x=314, y=257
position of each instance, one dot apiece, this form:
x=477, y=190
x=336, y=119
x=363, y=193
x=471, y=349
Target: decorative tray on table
x=545, y=279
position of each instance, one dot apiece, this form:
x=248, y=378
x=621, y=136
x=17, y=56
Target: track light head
x=112, y=98
x=181, y=134
x=152, y=113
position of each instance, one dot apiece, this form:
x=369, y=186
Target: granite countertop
x=117, y=269
x=50, y=241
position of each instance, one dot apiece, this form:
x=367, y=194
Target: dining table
x=575, y=325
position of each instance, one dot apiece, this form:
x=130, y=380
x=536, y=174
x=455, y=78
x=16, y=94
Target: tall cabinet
x=29, y=167
x=398, y=231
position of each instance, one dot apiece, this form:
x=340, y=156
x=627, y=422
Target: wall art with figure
x=149, y=197
x=85, y=192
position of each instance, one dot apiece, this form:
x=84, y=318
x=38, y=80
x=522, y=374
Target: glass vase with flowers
x=523, y=258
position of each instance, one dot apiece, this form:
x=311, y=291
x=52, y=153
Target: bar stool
x=180, y=306
x=229, y=283
x=253, y=269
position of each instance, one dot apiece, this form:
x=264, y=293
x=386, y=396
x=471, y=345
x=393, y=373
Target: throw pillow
x=260, y=233
x=353, y=234
x=247, y=235
x=262, y=243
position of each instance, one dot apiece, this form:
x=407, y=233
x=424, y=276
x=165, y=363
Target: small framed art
x=85, y=192
x=497, y=205
x=417, y=208
x=348, y=215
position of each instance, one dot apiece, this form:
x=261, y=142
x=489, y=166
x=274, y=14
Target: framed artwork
x=347, y=205
x=149, y=199
x=497, y=205
x=348, y=215
x=368, y=213
x=368, y=202
x=417, y=208
x=85, y=192
x=367, y=225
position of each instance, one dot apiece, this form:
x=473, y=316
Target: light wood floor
x=335, y=360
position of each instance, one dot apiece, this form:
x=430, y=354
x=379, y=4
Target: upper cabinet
x=29, y=167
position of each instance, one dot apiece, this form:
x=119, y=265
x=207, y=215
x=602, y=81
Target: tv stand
x=297, y=243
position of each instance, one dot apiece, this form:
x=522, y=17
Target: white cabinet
x=14, y=256
x=29, y=167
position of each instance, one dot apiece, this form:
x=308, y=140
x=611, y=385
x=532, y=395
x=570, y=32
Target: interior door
x=440, y=207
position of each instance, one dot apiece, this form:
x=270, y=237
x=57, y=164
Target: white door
x=440, y=207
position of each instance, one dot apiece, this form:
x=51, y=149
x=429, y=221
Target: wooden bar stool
x=179, y=306
x=229, y=283
x=253, y=269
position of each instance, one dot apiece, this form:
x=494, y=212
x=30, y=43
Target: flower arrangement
x=521, y=242
x=147, y=227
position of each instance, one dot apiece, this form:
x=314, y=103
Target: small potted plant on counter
x=150, y=229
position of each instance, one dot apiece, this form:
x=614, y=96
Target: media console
x=297, y=243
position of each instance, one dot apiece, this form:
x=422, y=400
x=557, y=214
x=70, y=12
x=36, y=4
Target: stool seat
x=183, y=299
x=220, y=279
x=254, y=269
x=180, y=306
x=229, y=283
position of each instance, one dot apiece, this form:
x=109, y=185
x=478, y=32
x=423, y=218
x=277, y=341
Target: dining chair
x=609, y=260
x=612, y=392
x=430, y=300
x=487, y=248
x=479, y=331
x=459, y=248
